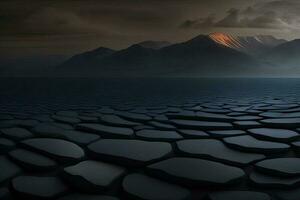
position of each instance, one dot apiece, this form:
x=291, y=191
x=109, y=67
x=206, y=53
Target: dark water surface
x=55, y=94
x=166, y=139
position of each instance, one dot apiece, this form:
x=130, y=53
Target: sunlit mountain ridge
x=253, y=45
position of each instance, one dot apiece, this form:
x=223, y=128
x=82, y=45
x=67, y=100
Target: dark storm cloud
x=52, y=17
x=199, y=23
x=56, y=21
x=269, y=15
x=115, y=23
x=97, y=16
x=72, y=26
x=236, y=19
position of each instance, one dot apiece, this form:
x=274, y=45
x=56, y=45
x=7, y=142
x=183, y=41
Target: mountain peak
x=226, y=40
x=253, y=45
x=219, y=34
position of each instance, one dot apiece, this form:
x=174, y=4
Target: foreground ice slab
x=206, y=150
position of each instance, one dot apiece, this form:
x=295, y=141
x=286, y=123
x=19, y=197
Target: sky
x=66, y=27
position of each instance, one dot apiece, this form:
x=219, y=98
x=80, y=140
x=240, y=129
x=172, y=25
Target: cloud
x=267, y=20
x=199, y=23
x=81, y=25
x=270, y=15
x=231, y=20
x=56, y=21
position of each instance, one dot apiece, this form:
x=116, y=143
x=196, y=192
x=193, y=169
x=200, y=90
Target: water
x=43, y=94
x=207, y=106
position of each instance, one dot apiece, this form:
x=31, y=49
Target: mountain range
x=216, y=54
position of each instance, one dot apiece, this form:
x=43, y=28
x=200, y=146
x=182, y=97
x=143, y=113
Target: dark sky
x=35, y=27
